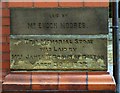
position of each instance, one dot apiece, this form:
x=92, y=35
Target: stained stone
x=59, y=21
x=58, y=53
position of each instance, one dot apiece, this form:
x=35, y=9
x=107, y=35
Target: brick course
x=5, y=12
x=20, y=4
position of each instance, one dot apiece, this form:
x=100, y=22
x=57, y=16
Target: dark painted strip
x=31, y=81
x=86, y=80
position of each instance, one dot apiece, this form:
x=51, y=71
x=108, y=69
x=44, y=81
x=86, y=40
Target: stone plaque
x=55, y=21
x=58, y=53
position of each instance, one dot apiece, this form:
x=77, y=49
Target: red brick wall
x=32, y=79
x=5, y=43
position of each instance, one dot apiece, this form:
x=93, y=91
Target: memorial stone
x=51, y=39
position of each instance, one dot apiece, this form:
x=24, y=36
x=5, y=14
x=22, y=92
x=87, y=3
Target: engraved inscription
x=58, y=53
x=59, y=21
x=56, y=25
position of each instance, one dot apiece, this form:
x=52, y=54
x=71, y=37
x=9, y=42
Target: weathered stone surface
x=59, y=52
x=55, y=21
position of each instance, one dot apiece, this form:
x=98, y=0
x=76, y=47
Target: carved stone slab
x=58, y=53
x=55, y=21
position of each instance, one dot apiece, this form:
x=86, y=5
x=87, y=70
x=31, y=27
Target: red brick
x=17, y=92
x=20, y=4
x=0, y=21
x=5, y=31
x=16, y=81
x=102, y=87
x=3, y=39
x=98, y=73
x=4, y=73
x=72, y=81
x=0, y=14
x=1, y=75
x=5, y=56
x=101, y=82
x=22, y=73
x=45, y=4
x=4, y=4
x=44, y=81
x=71, y=4
x=5, y=12
x=96, y=4
x=8, y=40
x=6, y=65
x=5, y=47
x=5, y=21
x=0, y=5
